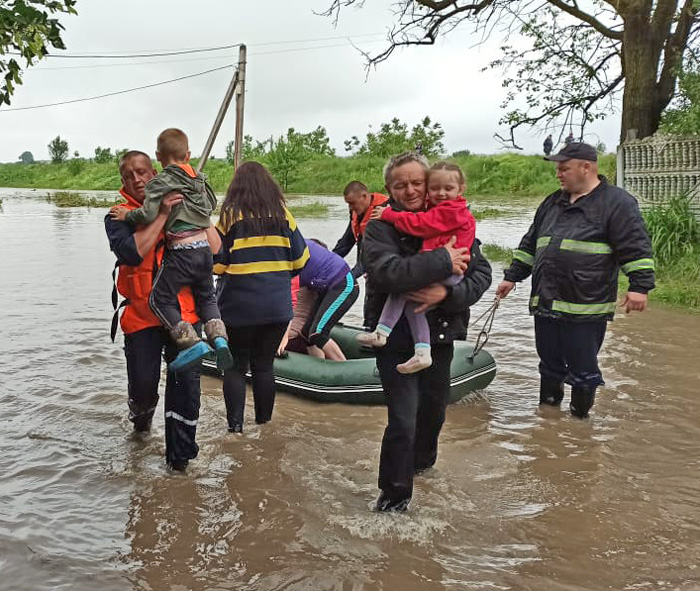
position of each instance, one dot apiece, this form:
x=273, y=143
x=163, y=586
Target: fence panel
x=660, y=167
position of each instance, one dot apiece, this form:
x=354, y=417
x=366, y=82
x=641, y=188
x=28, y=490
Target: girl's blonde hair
x=450, y=167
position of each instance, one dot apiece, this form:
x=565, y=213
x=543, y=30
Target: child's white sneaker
x=421, y=360
x=371, y=339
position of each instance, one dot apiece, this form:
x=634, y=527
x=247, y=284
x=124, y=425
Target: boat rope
x=483, y=336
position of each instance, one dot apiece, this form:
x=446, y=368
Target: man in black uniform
x=394, y=264
x=582, y=235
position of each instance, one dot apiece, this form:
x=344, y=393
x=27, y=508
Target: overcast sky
x=302, y=72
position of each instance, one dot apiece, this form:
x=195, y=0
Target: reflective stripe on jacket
x=134, y=283
x=575, y=252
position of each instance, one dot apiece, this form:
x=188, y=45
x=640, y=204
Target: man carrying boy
x=139, y=253
x=188, y=256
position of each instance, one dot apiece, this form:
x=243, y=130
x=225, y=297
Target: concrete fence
x=660, y=167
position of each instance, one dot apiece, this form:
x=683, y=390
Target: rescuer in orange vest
x=139, y=254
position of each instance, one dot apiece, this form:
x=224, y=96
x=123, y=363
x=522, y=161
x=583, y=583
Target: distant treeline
x=499, y=174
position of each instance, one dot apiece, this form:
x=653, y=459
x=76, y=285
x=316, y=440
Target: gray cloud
x=289, y=85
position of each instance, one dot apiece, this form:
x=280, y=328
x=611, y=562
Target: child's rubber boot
x=217, y=336
x=371, y=339
x=421, y=360
x=189, y=357
x=191, y=346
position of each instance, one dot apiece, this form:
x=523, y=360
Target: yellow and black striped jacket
x=255, y=273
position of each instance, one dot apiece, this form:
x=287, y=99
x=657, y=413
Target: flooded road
x=521, y=498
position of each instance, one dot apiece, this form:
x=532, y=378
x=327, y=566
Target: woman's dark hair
x=254, y=198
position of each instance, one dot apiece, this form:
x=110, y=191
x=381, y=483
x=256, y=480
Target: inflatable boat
x=356, y=381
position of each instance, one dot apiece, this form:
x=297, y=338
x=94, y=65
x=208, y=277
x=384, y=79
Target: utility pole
x=218, y=121
x=240, y=100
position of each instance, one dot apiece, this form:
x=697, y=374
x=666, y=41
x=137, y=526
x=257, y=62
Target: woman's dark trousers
x=254, y=348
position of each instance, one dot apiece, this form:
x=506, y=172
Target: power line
x=189, y=51
x=137, y=55
x=198, y=59
x=100, y=96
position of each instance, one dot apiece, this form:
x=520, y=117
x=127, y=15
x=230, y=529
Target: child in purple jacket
x=328, y=274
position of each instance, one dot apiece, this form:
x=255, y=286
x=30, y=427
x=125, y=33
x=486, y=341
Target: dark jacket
x=575, y=252
x=394, y=264
x=255, y=272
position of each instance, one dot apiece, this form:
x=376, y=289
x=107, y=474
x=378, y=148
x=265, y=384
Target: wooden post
x=218, y=121
x=240, y=100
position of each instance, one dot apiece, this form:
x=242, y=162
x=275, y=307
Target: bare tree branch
x=575, y=11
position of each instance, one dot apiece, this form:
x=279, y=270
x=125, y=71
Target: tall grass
x=674, y=230
x=501, y=174
x=675, y=239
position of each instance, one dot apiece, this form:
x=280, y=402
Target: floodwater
x=522, y=498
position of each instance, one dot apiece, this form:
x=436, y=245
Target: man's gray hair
x=400, y=160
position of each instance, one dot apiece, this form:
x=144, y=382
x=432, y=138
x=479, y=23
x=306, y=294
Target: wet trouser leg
x=143, y=350
x=416, y=411
x=182, y=397
x=252, y=347
x=568, y=353
x=434, y=386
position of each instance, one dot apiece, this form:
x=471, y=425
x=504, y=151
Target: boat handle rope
x=485, y=331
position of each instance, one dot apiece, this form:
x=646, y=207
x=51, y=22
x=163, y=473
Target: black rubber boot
x=582, y=400
x=551, y=392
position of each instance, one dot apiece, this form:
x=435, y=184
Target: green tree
x=27, y=31
x=683, y=115
x=285, y=157
x=393, y=138
x=26, y=158
x=58, y=150
x=103, y=155
x=119, y=154
x=570, y=61
x=317, y=142
x=251, y=149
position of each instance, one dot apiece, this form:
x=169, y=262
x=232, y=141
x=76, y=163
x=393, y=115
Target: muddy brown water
x=521, y=498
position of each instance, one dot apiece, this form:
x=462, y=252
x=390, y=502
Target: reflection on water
x=521, y=498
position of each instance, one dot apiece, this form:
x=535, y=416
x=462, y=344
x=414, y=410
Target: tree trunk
x=641, y=107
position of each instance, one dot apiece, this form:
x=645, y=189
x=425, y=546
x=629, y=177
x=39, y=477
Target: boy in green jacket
x=188, y=258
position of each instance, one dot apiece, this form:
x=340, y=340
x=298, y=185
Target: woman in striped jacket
x=262, y=249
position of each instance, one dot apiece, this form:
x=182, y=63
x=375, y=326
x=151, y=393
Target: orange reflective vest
x=134, y=284
x=359, y=224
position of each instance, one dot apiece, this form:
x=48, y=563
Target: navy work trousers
x=568, y=351
x=144, y=350
x=416, y=406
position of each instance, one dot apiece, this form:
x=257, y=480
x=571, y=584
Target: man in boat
x=139, y=253
x=361, y=204
x=581, y=237
x=416, y=402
